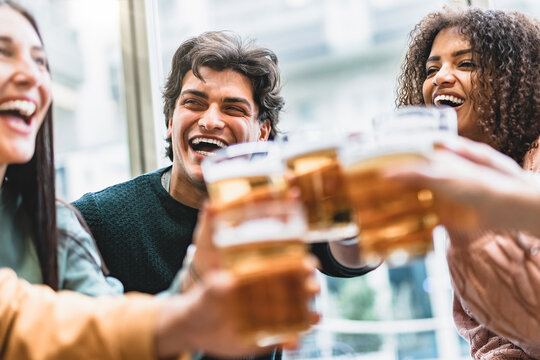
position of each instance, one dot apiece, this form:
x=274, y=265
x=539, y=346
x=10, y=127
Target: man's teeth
x=216, y=142
x=25, y=108
x=451, y=98
x=205, y=153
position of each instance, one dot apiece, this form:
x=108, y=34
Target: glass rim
x=241, y=160
x=445, y=116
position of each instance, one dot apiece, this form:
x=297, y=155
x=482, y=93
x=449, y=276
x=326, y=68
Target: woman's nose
x=445, y=76
x=26, y=72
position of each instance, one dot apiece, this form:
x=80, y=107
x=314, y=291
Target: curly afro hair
x=505, y=94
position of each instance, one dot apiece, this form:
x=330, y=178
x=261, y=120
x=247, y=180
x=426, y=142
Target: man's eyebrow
x=194, y=92
x=454, y=54
x=237, y=100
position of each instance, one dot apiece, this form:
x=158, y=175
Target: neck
x=190, y=193
x=3, y=169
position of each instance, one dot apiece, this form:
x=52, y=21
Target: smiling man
x=213, y=111
x=220, y=91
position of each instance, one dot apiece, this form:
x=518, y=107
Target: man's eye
x=191, y=102
x=236, y=109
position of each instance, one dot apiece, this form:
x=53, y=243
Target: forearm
x=37, y=323
x=524, y=211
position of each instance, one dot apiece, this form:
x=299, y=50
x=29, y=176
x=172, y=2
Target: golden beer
x=390, y=216
x=258, y=233
x=233, y=192
x=319, y=176
x=270, y=277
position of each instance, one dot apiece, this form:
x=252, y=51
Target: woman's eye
x=467, y=64
x=4, y=51
x=41, y=61
x=431, y=71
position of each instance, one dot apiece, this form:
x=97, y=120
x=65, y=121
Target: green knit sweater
x=143, y=233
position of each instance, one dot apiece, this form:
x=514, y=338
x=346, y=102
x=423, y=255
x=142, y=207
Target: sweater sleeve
x=89, y=209
x=38, y=324
x=484, y=343
x=331, y=267
x=80, y=266
x=497, y=279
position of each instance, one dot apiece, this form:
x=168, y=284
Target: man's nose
x=211, y=119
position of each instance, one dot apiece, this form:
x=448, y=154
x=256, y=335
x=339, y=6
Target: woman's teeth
x=448, y=100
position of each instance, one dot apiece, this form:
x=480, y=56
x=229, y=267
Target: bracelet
x=192, y=271
x=188, y=269
x=188, y=262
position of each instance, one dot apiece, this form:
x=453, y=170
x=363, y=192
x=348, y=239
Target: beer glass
x=244, y=173
x=259, y=235
x=395, y=222
x=311, y=158
x=261, y=245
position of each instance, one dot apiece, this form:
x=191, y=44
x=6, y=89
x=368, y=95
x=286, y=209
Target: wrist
x=523, y=210
x=173, y=329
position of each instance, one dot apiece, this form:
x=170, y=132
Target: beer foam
x=240, y=167
x=392, y=146
x=295, y=149
x=259, y=230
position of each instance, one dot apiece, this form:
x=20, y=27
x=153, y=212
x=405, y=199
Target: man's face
x=210, y=114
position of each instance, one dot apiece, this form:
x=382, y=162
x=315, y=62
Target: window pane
x=339, y=62
x=82, y=40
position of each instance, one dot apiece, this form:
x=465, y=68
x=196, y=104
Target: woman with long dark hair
x=38, y=245
x=485, y=64
x=38, y=323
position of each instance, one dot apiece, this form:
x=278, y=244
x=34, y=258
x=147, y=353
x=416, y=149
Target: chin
x=196, y=177
x=22, y=157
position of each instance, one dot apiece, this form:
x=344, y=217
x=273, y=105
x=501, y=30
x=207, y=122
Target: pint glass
x=259, y=236
x=261, y=244
x=395, y=221
x=244, y=173
x=311, y=158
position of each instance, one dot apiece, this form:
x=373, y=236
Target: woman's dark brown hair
x=505, y=93
x=35, y=182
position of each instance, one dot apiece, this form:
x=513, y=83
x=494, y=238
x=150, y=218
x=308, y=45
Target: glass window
x=82, y=40
x=339, y=61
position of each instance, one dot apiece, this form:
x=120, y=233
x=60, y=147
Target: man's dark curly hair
x=506, y=91
x=222, y=50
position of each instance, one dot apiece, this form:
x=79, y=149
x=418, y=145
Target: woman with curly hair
x=485, y=64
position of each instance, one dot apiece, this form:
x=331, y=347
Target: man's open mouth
x=20, y=108
x=206, y=146
x=448, y=100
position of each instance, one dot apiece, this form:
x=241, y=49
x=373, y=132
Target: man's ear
x=264, y=131
x=169, y=128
